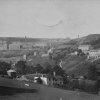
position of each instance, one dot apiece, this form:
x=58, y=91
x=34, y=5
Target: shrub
x=4, y=67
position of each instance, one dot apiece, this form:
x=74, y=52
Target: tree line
x=22, y=68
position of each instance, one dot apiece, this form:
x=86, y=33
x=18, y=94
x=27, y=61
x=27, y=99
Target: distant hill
x=78, y=65
x=89, y=39
x=92, y=39
x=26, y=39
x=71, y=64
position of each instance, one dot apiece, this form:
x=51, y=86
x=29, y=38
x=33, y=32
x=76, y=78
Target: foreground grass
x=50, y=93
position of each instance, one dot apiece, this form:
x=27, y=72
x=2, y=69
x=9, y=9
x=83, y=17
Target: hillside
x=51, y=93
x=92, y=39
x=89, y=39
x=43, y=61
x=76, y=65
x=27, y=39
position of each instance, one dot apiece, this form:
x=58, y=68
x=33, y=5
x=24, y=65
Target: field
x=50, y=93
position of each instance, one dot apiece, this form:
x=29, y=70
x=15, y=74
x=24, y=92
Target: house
x=40, y=44
x=35, y=53
x=93, y=54
x=50, y=51
x=74, y=53
x=33, y=77
x=3, y=45
x=58, y=81
x=63, y=46
x=44, y=55
x=11, y=73
x=27, y=45
x=85, y=48
x=25, y=57
x=15, y=46
x=22, y=78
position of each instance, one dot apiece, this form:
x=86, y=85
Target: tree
x=38, y=68
x=30, y=70
x=92, y=72
x=4, y=67
x=58, y=70
x=80, y=52
x=48, y=68
x=21, y=67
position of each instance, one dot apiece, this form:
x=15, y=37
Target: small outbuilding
x=11, y=73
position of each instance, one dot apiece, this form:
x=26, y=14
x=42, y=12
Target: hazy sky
x=49, y=18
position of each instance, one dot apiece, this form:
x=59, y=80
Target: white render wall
x=94, y=54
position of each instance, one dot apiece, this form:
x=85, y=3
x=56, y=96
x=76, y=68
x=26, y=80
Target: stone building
x=85, y=48
x=15, y=46
x=3, y=45
x=94, y=54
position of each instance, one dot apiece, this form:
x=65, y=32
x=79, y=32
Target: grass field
x=50, y=93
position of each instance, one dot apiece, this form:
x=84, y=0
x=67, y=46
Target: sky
x=49, y=18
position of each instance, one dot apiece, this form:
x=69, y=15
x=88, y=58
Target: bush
x=21, y=67
x=92, y=72
x=38, y=68
x=4, y=67
x=48, y=68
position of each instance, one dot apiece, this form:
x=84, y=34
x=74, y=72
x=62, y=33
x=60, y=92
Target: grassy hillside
x=43, y=61
x=92, y=39
x=50, y=93
x=14, y=53
x=76, y=65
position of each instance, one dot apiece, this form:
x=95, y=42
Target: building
x=94, y=54
x=35, y=53
x=3, y=45
x=24, y=57
x=85, y=48
x=45, y=55
x=15, y=46
x=11, y=73
x=40, y=44
x=50, y=51
x=21, y=46
x=33, y=77
x=28, y=45
x=63, y=47
x=74, y=53
x=58, y=81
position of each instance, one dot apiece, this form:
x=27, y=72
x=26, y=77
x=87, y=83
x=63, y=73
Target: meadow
x=51, y=93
